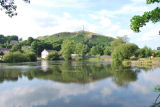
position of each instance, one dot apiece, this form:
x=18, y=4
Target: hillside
x=80, y=36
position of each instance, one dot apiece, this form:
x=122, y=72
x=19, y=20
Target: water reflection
x=44, y=65
x=68, y=72
x=70, y=84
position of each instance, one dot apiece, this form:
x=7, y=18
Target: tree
x=81, y=49
x=124, y=51
x=144, y=52
x=139, y=21
x=30, y=40
x=16, y=47
x=67, y=49
x=96, y=50
x=14, y=57
x=9, y=7
x=31, y=56
x=39, y=46
x=116, y=43
x=53, y=56
x=107, y=51
x=1, y=53
x=57, y=45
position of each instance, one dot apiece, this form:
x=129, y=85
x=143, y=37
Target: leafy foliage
x=14, y=57
x=10, y=7
x=107, y=51
x=139, y=21
x=53, y=56
x=16, y=47
x=144, y=52
x=31, y=56
x=81, y=49
x=39, y=46
x=96, y=50
x=67, y=49
x=124, y=51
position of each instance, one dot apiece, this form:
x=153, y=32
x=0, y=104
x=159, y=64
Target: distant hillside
x=80, y=36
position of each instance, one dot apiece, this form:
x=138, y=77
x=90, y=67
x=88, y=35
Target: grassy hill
x=81, y=36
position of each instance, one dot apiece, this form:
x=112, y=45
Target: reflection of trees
x=122, y=75
x=10, y=75
x=78, y=72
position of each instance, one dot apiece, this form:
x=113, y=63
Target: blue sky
x=107, y=17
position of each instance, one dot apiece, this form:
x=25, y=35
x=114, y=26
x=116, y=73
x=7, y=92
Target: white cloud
x=34, y=95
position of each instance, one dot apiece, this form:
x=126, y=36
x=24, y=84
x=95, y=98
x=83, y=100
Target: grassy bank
x=142, y=62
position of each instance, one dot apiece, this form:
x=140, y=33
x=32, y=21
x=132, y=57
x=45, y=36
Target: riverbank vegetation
x=70, y=47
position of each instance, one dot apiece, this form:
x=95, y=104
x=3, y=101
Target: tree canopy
x=139, y=21
x=10, y=7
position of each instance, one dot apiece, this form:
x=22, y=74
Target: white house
x=45, y=53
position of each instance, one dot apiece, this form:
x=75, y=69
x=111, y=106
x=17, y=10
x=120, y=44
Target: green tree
x=107, y=51
x=57, y=44
x=53, y=56
x=81, y=49
x=1, y=53
x=116, y=43
x=144, y=52
x=16, y=47
x=2, y=39
x=124, y=51
x=39, y=46
x=10, y=7
x=139, y=21
x=12, y=37
x=14, y=57
x=96, y=50
x=31, y=56
x=30, y=40
x=67, y=49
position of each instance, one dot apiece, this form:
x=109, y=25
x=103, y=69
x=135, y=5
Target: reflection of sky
x=26, y=93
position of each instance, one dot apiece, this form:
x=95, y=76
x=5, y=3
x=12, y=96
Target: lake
x=77, y=84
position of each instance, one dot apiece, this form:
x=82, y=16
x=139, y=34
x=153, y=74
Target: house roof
x=4, y=49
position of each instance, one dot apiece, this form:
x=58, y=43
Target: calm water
x=81, y=84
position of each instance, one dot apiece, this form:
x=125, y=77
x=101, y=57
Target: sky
x=107, y=17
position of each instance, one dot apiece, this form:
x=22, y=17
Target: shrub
x=126, y=63
x=31, y=56
x=124, y=51
x=144, y=52
x=79, y=58
x=14, y=57
x=53, y=56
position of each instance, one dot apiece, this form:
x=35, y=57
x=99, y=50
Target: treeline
x=122, y=50
x=5, y=40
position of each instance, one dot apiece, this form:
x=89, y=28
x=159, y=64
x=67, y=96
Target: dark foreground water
x=76, y=84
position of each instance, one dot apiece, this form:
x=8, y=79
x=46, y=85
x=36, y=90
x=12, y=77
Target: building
x=4, y=50
x=13, y=42
x=45, y=53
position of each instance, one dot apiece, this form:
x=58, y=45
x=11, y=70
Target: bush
x=53, y=56
x=14, y=57
x=126, y=63
x=31, y=56
x=124, y=51
x=79, y=58
x=144, y=52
